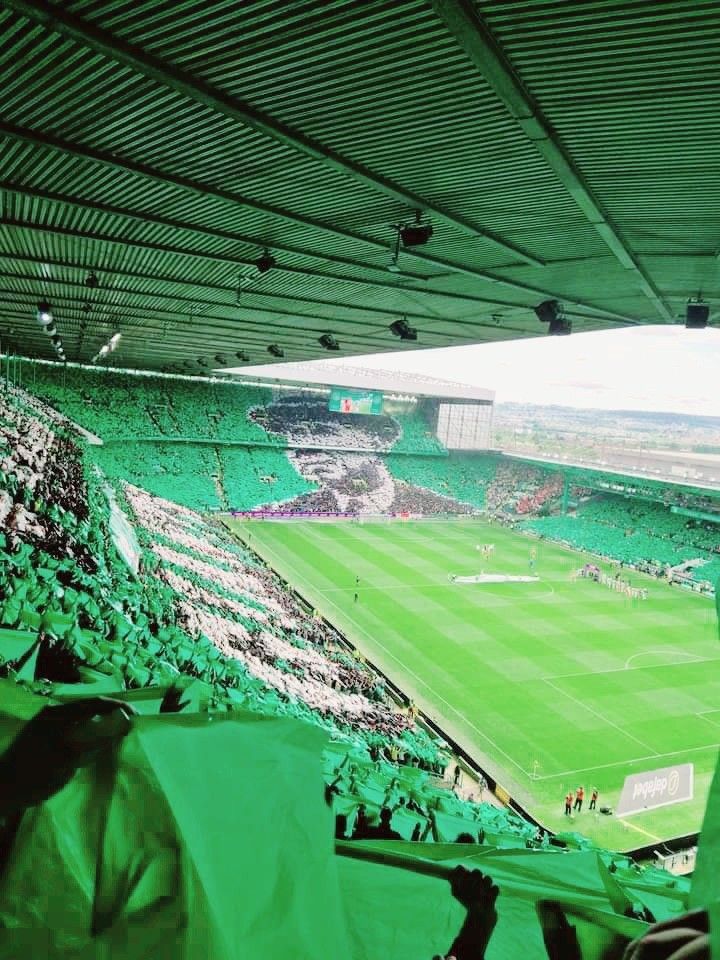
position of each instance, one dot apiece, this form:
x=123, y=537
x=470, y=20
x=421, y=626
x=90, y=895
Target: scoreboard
x=344, y=400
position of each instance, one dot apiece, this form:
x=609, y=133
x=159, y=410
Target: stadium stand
x=460, y=477
x=518, y=488
x=637, y=532
x=206, y=626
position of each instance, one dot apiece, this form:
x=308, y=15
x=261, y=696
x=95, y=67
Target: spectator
x=384, y=830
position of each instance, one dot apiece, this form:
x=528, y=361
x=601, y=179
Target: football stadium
x=295, y=661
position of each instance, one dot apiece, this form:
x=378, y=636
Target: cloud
x=643, y=368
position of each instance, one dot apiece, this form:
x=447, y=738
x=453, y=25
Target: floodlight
x=328, y=341
x=696, y=315
x=44, y=313
x=276, y=350
x=416, y=234
x=402, y=329
x=266, y=262
x=91, y=280
x=242, y=355
x=548, y=310
x=114, y=340
x=560, y=326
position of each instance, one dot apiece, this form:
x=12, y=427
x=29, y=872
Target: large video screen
x=344, y=400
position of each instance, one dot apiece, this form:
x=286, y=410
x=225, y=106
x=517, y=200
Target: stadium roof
x=151, y=153
x=337, y=375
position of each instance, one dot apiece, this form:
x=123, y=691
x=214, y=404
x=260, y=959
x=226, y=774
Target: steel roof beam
x=488, y=57
x=143, y=217
x=59, y=20
x=179, y=335
x=115, y=313
x=243, y=307
x=113, y=162
x=395, y=285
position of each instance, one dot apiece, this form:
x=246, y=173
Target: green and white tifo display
x=553, y=683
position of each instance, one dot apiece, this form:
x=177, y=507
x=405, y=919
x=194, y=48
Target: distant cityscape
x=667, y=445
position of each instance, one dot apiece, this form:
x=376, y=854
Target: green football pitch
x=549, y=684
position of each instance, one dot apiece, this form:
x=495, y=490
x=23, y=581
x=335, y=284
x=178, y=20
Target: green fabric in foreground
x=203, y=838
x=410, y=916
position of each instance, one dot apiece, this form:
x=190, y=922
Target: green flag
x=201, y=837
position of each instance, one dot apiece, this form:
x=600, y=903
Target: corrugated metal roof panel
x=183, y=196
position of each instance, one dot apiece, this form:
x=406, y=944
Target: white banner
x=656, y=788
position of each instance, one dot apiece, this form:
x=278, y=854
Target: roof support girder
x=59, y=20
x=396, y=285
x=488, y=57
x=113, y=162
x=194, y=302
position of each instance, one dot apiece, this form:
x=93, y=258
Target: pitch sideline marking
x=704, y=716
x=548, y=681
x=634, y=826
x=552, y=776
x=424, y=683
x=407, y=669
x=619, y=763
x=599, y=673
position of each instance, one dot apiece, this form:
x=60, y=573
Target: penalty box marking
x=610, y=723
x=621, y=763
x=485, y=737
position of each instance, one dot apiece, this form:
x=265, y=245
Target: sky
x=637, y=368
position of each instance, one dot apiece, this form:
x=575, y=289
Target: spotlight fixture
x=417, y=233
x=560, y=327
x=266, y=262
x=696, y=314
x=548, y=310
x=394, y=266
x=243, y=356
x=57, y=344
x=107, y=348
x=44, y=314
x=91, y=280
x=401, y=328
x=219, y=358
x=551, y=312
x=328, y=341
x=202, y=362
x=86, y=307
x=276, y=350
x=50, y=330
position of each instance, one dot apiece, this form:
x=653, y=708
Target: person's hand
x=477, y=893
x=559, y=936
x=53, y=745
x=173, y=701
x=683, y=938
x=473, y=889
